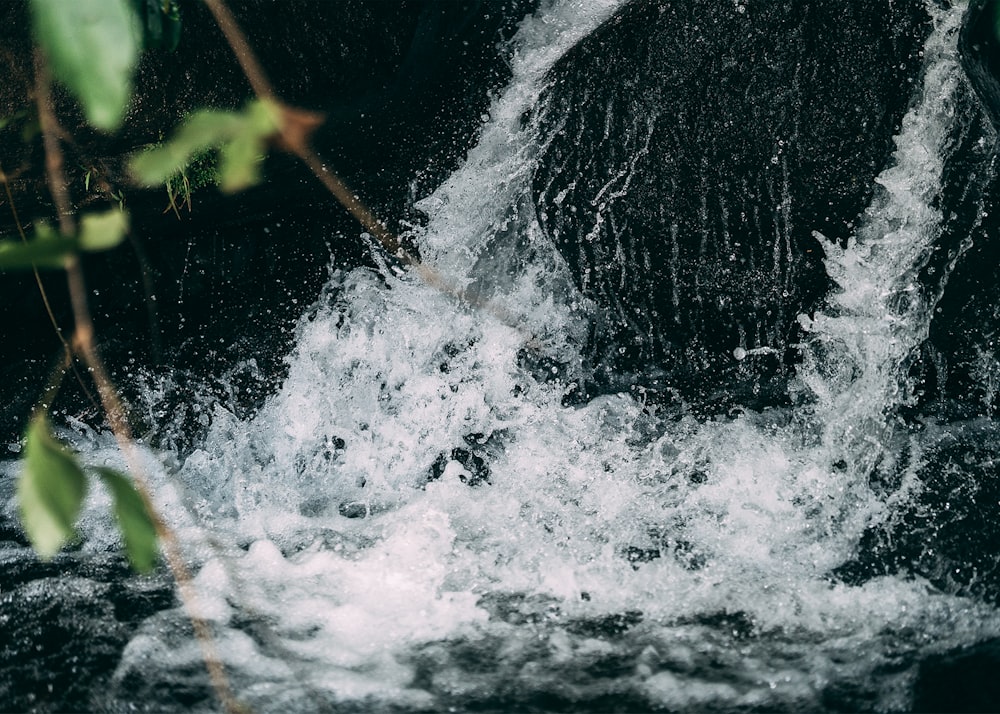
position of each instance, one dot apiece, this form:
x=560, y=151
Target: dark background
x=206, y=300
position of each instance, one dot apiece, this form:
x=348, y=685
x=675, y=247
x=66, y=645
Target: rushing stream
x=418, y=520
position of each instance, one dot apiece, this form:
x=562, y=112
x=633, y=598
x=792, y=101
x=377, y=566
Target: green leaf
x=204, y=129
x=240, y=163
x=241, y=158
x=263, y=117
x=47, y=250
x=241, y=138
x=92, y=47
x=50, y=491
x=134, y=519
x=161, y=23
x=102, y=231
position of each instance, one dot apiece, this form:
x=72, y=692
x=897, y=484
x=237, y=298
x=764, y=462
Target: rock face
x=692, y=149
x=65, y=623
x=957, y=373
x=949, y=531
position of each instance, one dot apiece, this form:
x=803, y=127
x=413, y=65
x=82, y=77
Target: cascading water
x=415, y=521
x=879, y=312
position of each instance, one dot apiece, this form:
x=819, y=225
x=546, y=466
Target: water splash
x=880, y=312
x=415, y=520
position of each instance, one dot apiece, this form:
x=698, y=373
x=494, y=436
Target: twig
x=83, y=342
x=67, y=362
x=296, y=125
x=294, y=130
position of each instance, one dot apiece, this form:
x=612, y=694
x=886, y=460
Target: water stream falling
x=416, y=522
x=879, y=312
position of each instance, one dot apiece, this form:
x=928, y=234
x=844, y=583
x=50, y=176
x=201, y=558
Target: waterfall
x=416, y=521
x=879, y=312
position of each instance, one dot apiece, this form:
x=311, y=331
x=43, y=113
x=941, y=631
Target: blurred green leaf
x=138, y=531
x=92, y=47
x=161, y=23
x=241, y=138
x=47, y=250
x=50, y=491
x=204, y=129
x=102, y=231
x=240, y=163
x=264, y=117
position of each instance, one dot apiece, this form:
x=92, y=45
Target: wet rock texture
x=692, y=149
x=948, y=530
x=63, y=626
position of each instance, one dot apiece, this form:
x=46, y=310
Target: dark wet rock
x=488, y=673
x=960, y=681
x=947, y=528
x=63, y=626
x=606, y=626
x=980, y=46
x=184, y=686
x=519, y=608
x=738, y=625
x=955, y=374
x=475, y=471
x=354, y=509
x=691, y=149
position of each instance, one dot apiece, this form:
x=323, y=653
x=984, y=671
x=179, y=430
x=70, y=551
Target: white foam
x=878, y=313
x=743, y=518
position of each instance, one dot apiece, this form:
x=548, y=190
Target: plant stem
x=84, y=346
x=294, y=125
x=67, y=361
x=294, y=132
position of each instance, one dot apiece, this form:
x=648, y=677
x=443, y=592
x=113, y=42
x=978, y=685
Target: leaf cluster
x=240, y=138
x=91, y=47
x=49, y=249
x=51, y=492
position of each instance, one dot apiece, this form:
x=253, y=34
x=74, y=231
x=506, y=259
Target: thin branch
x=296, y=125
x=347, y=198
x=83, y=341
x=241, y=48
x=67, y=349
